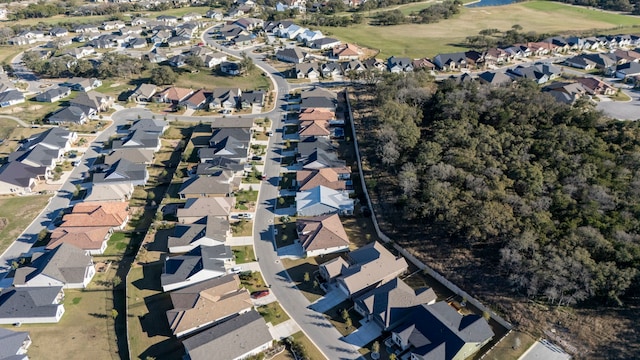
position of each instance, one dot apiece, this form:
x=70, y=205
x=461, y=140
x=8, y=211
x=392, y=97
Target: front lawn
x=252, y=280
x=286, y=181
x=16, y=213
x=290, y=129
x=286, y=231
x=336, y=316
x=297, y=269
x=243, y=254
x=242, y=228
x=273, y=313
x=284, y=202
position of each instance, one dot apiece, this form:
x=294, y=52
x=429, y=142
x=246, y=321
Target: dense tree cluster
x=554, y=189
x=111, y=65
x=428, y=15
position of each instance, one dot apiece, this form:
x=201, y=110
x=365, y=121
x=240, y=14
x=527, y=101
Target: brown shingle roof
x=316, y=114
x=321, y=232
x=175, y=93
x=314, y=128
x=86, y=238
x=346, y=50
x=328, y=177
x=207, y=302
x=92, y=214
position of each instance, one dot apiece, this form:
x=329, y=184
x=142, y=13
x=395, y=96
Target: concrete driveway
x=328, y=301
x=293, y=251
x=365, y=334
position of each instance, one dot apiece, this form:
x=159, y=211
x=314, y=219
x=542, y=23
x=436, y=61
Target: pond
x=491, y=3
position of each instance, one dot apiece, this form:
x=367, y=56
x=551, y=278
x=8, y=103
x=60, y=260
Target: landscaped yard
x=208, y=79
x=273, y=313
x=297, y=270
x=286, y=231
x=335, y=316
x=86, y=330
x=284, y=202
x=243, y=254
x=286, y=180
x=420, y=40
x=245, y=199
x=118, y=243
x=149, y=333
x=252, y=280
x=16, y=213
x=242, y=228
x=360, y=230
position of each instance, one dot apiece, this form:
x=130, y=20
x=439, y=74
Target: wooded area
x=552, y=190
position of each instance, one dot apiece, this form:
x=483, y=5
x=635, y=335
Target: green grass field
x=419, y=40
x=16, y=213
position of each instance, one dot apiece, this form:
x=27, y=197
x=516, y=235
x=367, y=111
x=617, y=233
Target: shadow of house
x=151, y=277
x=155, y=323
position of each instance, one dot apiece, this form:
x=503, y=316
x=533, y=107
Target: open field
x=81, y=333
x=207, y=79
x=16, y=213
x=420, y=40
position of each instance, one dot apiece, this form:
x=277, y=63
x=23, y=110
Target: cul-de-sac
x=309, y=180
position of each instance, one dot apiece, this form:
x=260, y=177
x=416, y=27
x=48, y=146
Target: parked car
x=245, y=216
x=259, y=294
x=256, y=158
x=235, y=270
x=269, y=133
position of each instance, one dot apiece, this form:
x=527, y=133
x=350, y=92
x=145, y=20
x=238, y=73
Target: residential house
x=243, y=336
x=423, y=64
x=214, y=14
x=168, y=19
x=232, y=143
x=86, y=28
x=627, y=70
x=306, y=71
x=38, y=156
x=292, y=55
x=225, y=98
x=539, y=72
x=206, y=304
x=252, y=99
x=307, y=37
x=452, y=61
x=137, y=43
x=496, y=78
x=580, y=62
x=439, y=331
x=173, y=95
x=58, y=32
x=31, y=305
x=14, y=344
x=113, y=25
x=322, y=235
x=366, y=268
x=138, y=139
x=82, y=84
x=11, y=97
x=198, y=100
x=69, y=115
x=92, y=102
x=138, y=22
x=20, y=41
x=324, y=43
x=219, y=163
x=90, y=214
x=18, y=178
x=603, y=61
x=597, y=86
x=109, y=192
x=151, y=126
x=396, y=64
x=230, y=68
x=65, y=265
x=345, y=52
x=249, y=24
x=196, y=208
x=319, y=156
x=92, y=239
x=318, y=98
x=54, y=94
x=566, y=92
x=290, y=32
x=54, y=138
x=208, y=231
x=191, y=17
x=391, y=303
x=333, y=178
x=330, y=70
x=123, y=171
x=143, y=93
x=625, y=56
x=80, y=52
x=220, y=185
x=214, y=59
x=497, y=56
x=322, y=200
x=200, y=264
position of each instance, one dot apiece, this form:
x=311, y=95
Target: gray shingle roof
x=182, y=267
x=122, y=170
x=29, y=302
x=230, y=339
x=66, y=263
x=207, y=184
x=11, y=342
x=19, y=174
x=55, y=138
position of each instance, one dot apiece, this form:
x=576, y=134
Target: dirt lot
x=593, y=331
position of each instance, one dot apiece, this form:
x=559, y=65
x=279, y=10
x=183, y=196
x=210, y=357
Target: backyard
x=16, y=213
x=420, y=40
x=87, y=320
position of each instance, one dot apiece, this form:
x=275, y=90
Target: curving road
x=319, y=330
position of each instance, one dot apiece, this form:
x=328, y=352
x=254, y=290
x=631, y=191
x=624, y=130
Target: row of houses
x=223, y=99
x=622, y=64
x=36, y=290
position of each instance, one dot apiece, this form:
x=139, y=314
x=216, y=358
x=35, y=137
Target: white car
x=235, y=270
x=245, y=216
